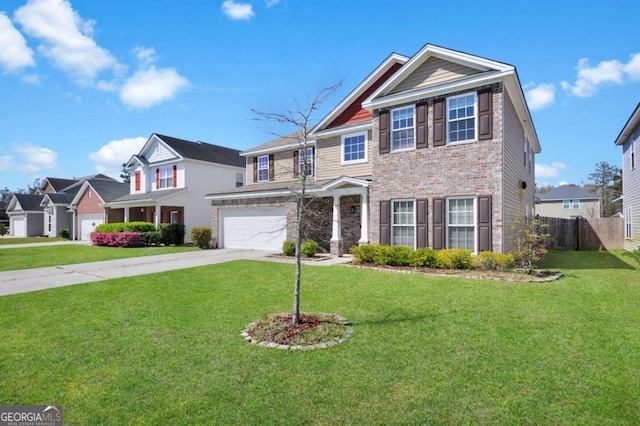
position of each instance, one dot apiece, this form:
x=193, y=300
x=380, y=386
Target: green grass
x=36, y=257
x=26, y=240
x=166, y=348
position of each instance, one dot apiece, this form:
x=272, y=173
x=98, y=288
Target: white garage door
x=255, y=228
x=88, y=223
x=17, y=227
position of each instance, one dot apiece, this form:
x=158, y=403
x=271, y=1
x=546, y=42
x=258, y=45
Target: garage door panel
x=88, y=224
x=18, y=228
x=261, y=229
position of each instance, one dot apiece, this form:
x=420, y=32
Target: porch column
x=336, y=232
x=126, y=214
x=364, y=219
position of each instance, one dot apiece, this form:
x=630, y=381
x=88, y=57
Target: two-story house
x=568, y=201
x=434, y=150
x=628, y=138
x=169, y=178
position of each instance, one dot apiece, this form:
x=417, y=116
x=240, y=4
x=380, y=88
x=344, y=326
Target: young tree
x=299, y=121
x=607, y=180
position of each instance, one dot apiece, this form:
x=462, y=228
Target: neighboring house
x=26, y=215
x=87, y=206
x=436, y=150
x=567, y=201
x=169, y=178
x=628, y=138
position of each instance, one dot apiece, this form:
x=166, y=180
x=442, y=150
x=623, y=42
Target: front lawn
x=166, y=348
x=26, y=240
x=37, y=257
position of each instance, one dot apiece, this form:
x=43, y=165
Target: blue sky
x=84, y=83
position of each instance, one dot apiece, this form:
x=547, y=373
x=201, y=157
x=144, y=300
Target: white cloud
x=15, y=54
x=149, y=87
x=590, y=78
x=66, y=39
x=28, y=158
x=146, y=55
x=547, y=171
x=33, y=79
x=540, y=96
x=237, y=11
x=271, y=3
x=109, y=157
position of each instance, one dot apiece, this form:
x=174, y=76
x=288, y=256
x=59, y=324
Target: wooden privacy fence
x=586, y=234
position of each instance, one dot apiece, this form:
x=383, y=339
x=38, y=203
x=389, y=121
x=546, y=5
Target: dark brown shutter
x=255, y=169
x=439, y=122
x=384, y=223
x=157, y=178
x=439, y=231
x=485, y=125
x=384, y=132
x=271, y=168
x=421, y=120
x=421, y=223
x=175, y=176
x=296, y=163
x=484, y=223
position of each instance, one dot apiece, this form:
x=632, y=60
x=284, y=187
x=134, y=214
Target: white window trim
x=566, y=204
x=475, y=118
x=166, y=179
x=628, y=223
x=413, y=128
x=173, y=214
x=264, y=168
x=393, y=226
x=475, y=220
x=366, y=148
x=302, y=158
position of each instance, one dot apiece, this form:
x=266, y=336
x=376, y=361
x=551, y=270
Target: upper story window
x=263, y=168
x=305, y=162
x=239, y=179
x=354, y=148
x=571, y=204
x=402, y=128
x=165, y=177
x=461, y=118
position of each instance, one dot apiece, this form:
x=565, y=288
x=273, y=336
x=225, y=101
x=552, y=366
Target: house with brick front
x=433, y=150
x=628, y=138
x=169, y=178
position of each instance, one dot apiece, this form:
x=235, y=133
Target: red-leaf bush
x=117, y=239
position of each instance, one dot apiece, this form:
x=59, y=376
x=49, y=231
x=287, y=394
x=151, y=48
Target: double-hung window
x=461, y=118
x=305, y=162
x=263, y=168
x=403, y=223
x=571, y=204
x=402, y=128
x=354, y=148
x=461, y=221
x=166, y=177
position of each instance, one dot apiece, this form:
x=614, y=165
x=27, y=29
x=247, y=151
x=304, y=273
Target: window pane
x=402, y=128
x=402, y=221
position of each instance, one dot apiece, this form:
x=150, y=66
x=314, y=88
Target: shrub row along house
x=169, y=178
x=433, y=150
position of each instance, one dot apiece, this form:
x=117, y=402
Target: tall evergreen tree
x=607, y=180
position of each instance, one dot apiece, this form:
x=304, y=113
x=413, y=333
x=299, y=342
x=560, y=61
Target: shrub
x=126, y=227
x=363, y=254
x=454, y=259
x=117, y=239
x=289, y=248
x=3, y=229
x=310, y=248
x=424, y=258
x=172, y=233
x=490, y=261
x=201, y=236
x=150, y=238
x=530, y=240
x=635, y=254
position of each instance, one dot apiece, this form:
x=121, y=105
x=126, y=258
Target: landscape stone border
x=323, y=345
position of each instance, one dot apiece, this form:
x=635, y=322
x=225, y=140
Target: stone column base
x=336, y=248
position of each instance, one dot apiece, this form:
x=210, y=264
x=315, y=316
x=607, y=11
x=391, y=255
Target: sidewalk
x=26, y=280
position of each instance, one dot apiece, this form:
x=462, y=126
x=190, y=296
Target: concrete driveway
x=26, y=280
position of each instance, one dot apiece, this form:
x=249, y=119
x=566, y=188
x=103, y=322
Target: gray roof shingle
x=204, y=151
x=567, y=192
x=30, y=202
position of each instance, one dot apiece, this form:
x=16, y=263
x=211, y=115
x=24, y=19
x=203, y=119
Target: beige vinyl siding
x=631, y=192
x=555, y=208
x=282, y=164
x=329, y=160
x=516, y=202
x=433, y=72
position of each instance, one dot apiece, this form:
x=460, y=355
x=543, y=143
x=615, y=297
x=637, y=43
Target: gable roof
x=28, y=202
x=567, y=192
x=283, y=143
x=631, y=124
x=57, y=198
x=202, y=151
x=106, y=189
x=58, y=184
x=489, y=72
